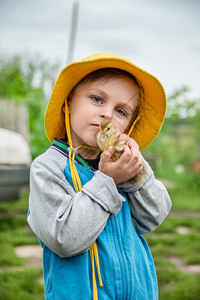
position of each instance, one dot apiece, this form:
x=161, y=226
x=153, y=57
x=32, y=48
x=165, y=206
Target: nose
x=106, y=114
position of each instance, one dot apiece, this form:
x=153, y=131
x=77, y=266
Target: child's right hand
x=126, y=167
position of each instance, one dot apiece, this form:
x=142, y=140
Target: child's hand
x=126, y=167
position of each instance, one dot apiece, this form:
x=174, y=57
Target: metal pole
x=73, y=32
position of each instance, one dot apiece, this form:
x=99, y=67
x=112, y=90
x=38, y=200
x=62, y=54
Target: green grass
x=19, y=282
x=14, y=230
x=21, y=285
x=186, y=198
x=166, y=242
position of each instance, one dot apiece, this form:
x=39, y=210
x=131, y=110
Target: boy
x=87, y=213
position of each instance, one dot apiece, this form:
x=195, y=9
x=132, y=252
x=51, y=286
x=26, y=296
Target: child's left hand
x=127, y=166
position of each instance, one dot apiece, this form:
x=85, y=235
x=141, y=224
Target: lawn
x=18, y=282
x=175, y=247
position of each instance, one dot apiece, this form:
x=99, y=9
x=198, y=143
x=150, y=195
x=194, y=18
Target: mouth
x=96, y=126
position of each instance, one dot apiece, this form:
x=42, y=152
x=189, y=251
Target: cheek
x=120, y=124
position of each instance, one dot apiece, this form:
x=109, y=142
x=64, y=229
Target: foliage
x=27, y=80
x=174, y=154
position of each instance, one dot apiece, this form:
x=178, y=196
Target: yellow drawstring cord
x=77, y=186
x=133, y=125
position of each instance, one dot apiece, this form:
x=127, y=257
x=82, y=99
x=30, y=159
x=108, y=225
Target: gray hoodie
x=69, y=223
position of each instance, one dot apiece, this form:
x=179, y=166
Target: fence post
x=14, y=116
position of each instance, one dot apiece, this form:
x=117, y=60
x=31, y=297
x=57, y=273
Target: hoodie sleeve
x=67, y=222
x=149, y=201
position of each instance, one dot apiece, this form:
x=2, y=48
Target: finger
x=132, y=144
x=138, y=171
x=137, y=167
x=134, y=162
x=124, y=137
x=107, y=154
x=136, y=155
x=126, y=155
x=136, y=159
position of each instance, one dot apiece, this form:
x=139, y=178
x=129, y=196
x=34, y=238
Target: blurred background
x=37, y=39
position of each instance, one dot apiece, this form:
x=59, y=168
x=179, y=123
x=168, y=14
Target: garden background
x=174, y=157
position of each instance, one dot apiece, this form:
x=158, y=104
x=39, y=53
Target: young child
x=86, y=212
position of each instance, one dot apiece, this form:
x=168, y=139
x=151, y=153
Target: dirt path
x=185, y=214
x=32, y=255
x=181, y=265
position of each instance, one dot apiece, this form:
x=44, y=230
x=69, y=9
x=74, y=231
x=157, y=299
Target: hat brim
x=153, y=107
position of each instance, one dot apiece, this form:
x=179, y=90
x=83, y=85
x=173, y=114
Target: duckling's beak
x=103, y=137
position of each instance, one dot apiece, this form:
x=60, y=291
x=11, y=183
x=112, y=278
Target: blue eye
x=121, y=112
x=96, y=99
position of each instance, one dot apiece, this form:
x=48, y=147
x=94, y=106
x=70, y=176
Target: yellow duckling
x=107, y=136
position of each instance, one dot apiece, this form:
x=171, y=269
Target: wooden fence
x=14, y=116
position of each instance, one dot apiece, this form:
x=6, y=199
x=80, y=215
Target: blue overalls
x=126, y=264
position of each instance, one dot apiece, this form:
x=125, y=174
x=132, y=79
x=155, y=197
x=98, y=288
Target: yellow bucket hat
x=153, y=105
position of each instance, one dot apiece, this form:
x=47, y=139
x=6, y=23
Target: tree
x=29, y=80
